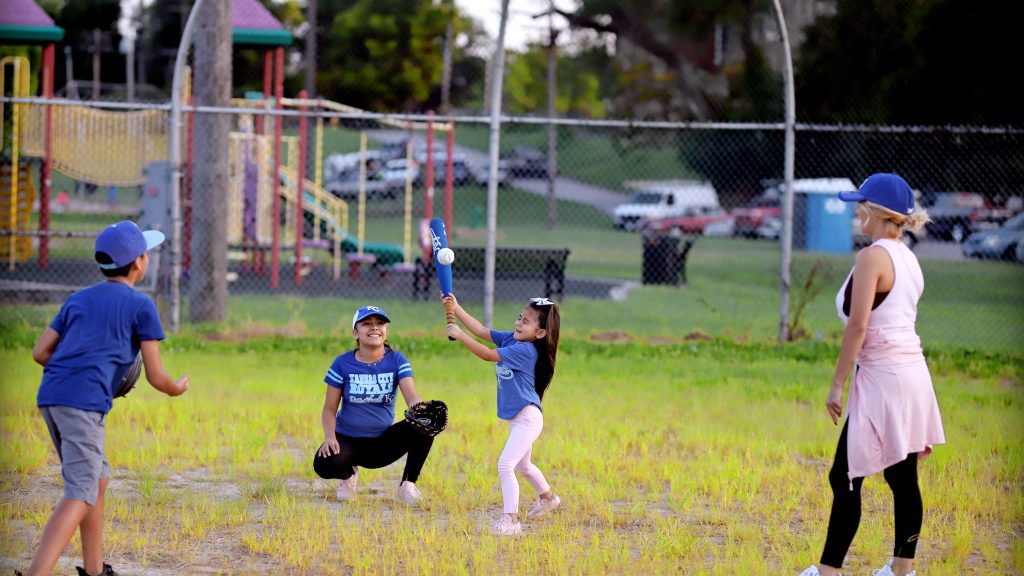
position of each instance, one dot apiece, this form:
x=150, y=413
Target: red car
x=691, y=221
x=747, y=219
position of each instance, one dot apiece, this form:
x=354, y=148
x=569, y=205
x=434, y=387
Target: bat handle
x=449, y=314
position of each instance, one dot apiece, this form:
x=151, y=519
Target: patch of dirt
x=697, y=335
x=612, y=337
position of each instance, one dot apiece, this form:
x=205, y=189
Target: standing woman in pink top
x=893, y=418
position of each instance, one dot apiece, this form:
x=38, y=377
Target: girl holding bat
x=524, y=365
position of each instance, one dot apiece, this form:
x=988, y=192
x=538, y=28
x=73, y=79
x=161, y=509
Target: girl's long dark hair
x=547, y=347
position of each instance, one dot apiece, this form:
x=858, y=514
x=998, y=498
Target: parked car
x=691, y=220
x=482, y=174
x=398, y=171
x=1002, y=243
x=751, y=216
x=461, y=173
x=526, y=162
x=954, y=215
x=346, y=186
x=394, y=149
x=660, y=198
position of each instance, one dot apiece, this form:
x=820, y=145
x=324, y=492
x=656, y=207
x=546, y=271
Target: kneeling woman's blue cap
x=123, y=242
x=367, y=311
x=888, y=190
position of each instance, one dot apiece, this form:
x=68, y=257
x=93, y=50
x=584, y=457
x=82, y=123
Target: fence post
x=787, y=202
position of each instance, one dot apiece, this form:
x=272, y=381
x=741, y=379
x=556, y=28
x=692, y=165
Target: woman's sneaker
x=812, y=570
x=347, y=488
x=887, y=571
x=541, y=506
x=506, y=526
x=409, y=494
x=108, y=570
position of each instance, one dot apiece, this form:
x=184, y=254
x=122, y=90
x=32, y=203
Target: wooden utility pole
x=208, y=289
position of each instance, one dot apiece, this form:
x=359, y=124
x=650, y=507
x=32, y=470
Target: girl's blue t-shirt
x=101, y=328
x=514, y=373
x=367, y=392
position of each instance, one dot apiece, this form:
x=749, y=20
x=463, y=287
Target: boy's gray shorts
x=78, y=436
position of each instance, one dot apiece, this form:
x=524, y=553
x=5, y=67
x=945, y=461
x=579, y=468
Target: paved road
x=603, y=199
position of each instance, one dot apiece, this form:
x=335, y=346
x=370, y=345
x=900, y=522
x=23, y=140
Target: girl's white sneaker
x=887, y=571
x=506, y=526
x=541, y=506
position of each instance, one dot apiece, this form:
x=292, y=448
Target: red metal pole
x=300, y=221
x=186, y=188
x=268, y=78
x=449, y=176
x=428, y=207
x=275, y=256
x=45, y=171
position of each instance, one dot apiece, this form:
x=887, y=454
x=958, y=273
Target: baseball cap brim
x=852, y=196
x=153, y=238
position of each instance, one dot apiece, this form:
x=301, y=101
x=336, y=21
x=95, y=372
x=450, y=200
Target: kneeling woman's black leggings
x=395, y=442
x=845, y=517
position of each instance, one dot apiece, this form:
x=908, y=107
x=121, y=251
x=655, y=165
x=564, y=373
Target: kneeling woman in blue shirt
x=359, y=412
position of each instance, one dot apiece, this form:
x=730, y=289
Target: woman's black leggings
x=845, y=517
x=395, y=442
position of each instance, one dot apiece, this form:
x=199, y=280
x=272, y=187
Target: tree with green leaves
x=384, y=54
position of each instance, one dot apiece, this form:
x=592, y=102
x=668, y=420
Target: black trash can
x=661, y=259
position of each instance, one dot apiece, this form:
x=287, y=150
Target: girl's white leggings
x=524, y=428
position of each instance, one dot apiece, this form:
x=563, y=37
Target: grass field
x=702, y=457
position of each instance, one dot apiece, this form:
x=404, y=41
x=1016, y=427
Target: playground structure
x=267, y=167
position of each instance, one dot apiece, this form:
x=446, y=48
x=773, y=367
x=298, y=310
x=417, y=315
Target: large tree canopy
x=384, y=54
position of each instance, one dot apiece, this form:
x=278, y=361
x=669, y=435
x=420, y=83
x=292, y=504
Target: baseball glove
x=126, y=382
x=428, y=418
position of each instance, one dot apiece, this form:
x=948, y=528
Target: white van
x=661, y=198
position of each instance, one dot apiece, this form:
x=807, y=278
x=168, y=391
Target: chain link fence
x=316, y=198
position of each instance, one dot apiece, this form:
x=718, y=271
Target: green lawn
x=687, y=457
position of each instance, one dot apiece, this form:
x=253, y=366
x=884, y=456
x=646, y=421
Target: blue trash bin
x=821, y=221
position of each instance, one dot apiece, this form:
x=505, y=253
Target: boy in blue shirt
x=95, y=336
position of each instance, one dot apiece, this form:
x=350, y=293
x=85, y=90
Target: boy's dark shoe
x=107, y=571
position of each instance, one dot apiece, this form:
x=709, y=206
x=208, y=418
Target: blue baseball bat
x=439, y=240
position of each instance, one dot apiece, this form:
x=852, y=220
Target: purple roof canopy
x=252, y=14
x=24, y=13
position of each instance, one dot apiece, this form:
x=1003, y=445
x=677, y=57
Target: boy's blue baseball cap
x=888, y=190
x=123, y=242
x=367, y=311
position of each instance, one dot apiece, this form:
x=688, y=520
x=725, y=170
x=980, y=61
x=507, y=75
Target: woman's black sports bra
x=879, y=297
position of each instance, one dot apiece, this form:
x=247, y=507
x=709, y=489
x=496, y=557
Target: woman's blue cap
x=123, y=242
x=367, y=311
x=888, y=190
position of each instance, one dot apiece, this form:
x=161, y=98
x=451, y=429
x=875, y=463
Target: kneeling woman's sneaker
x=347, y=487
x=409, y=494
x=541, y=506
